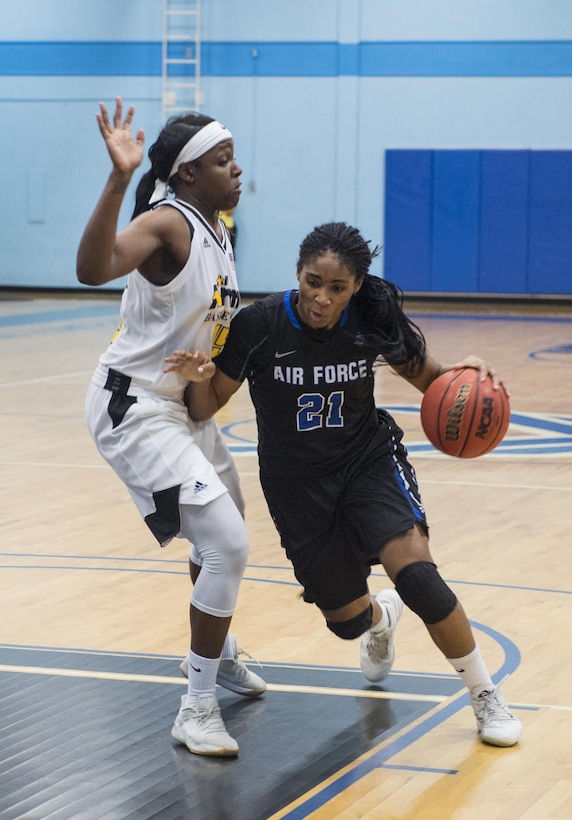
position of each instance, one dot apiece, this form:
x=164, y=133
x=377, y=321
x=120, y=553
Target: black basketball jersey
x=312, y=389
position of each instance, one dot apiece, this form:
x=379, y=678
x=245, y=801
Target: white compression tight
x=220, y=543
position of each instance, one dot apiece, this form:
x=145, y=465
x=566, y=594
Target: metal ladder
x=181, y=57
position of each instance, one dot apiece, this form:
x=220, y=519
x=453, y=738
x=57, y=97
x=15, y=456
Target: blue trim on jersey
x=290, y=311
x=292, y=315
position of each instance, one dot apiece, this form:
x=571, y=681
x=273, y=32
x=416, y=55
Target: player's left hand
x=483, y=367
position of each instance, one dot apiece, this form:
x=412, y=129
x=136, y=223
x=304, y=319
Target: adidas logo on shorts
x=199, y=487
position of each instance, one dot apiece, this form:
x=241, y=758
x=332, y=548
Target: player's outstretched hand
x=483, y=367
x=195, y=367
x=126, y=153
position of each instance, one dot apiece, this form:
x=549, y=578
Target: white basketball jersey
x=192, y=312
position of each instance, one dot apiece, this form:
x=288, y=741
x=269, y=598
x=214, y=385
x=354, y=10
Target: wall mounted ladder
x=181, y=57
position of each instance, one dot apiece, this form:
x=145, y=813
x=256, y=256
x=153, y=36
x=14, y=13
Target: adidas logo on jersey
x=206, y=243
x=199, y=487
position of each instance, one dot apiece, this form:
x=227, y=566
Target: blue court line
x=510, y=446
x=543, y=422
x=485, y=317
x=124, y=558
x=161, y=656
x=138, y=570
x=379, y=759
x=94, y=311
x=374, y=575
x=59, y=567
x=45, y=317
x=443, y=676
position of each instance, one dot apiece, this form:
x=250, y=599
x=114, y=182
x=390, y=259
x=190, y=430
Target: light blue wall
x=314, y=91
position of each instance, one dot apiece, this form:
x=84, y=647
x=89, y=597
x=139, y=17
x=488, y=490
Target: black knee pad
x=424, y=591
x=354, y=628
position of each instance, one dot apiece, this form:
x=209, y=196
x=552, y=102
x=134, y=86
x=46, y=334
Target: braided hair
x=380, y=302
x=163, y=153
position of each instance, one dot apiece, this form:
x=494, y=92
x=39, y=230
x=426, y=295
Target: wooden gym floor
x=94, y=615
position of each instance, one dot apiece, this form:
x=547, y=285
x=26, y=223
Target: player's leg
x=408, y=562
x=233, y=674
x=219, y=534
x=374, y=619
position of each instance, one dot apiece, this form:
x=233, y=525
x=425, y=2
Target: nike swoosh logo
x=195, y=668
x=281, y=355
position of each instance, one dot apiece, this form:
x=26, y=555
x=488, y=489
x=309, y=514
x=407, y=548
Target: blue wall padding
x=479, y=221
x=550, y=263
x=503, y=255
x=409, y=206
x=455, y=221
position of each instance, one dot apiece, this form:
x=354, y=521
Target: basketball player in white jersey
x=181, y=293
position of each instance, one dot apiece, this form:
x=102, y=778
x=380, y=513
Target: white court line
x=48, y=378
x=493, y=484
x=510, y=486
x=52, y=464
x=272, y=687
x=179, y=681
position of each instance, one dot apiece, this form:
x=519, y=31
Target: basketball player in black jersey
x=334, y=472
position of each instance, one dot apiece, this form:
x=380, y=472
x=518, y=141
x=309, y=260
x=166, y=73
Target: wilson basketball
x=463, y=416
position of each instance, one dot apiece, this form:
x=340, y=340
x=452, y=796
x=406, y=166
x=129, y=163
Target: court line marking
x=53, y=378
x=498, y=485
x=252, y=567
x=319, y=796
x=299, y=689
x=116, y=653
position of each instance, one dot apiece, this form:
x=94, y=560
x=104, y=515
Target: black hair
x=341, y=239
x=163, y=153
x=379, y=301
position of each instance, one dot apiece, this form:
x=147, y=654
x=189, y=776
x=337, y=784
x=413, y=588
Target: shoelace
x=210, y=716
x=236, y=660
x=490, y=705
x=377, y=643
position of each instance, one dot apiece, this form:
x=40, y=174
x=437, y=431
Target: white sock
x=472, y=671
x=383, y=622
x=229, y=648
x=202, y=677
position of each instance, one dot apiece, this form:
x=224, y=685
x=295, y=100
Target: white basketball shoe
x=377, y=651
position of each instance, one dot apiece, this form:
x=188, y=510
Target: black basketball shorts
x=334, y=526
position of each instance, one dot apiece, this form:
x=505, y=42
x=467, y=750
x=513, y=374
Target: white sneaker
x=201, y=729
x=377, y=651
x=496, y=724
x=233, y=674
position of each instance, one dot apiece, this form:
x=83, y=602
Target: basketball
x=463, y=416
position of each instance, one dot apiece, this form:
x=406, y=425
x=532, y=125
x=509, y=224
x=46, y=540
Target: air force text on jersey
x=322, y=374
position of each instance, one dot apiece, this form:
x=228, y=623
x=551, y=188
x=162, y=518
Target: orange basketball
x=463, y=416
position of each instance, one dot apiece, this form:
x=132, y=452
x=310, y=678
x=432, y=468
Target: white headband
x=205, y=139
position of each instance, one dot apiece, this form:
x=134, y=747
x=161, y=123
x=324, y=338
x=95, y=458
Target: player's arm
x=101, y=257
x=209, y=388
x=421, y=375
x=104, y=255
x=204, y=399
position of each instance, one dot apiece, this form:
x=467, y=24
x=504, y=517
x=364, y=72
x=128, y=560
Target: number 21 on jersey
x=316, y=411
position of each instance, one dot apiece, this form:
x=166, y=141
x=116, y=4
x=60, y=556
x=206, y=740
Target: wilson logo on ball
x=455, y=414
